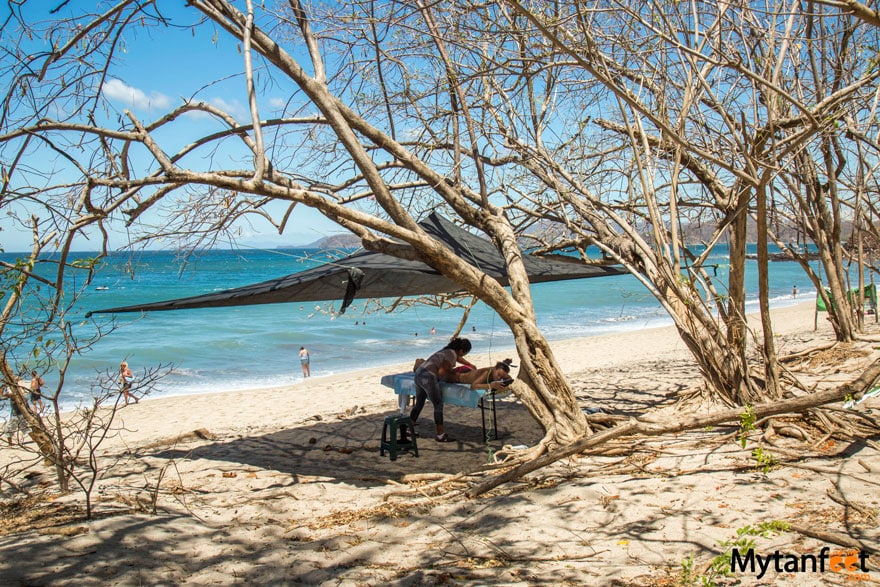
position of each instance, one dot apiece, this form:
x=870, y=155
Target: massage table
x=455, y=394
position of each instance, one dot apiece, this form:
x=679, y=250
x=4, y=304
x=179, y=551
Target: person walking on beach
x=36, y=387
x=304, y=361
x=125, y=380
x=427, y=380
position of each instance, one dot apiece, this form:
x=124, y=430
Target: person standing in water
x=304, y=361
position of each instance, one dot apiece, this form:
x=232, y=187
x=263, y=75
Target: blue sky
x=159, y=69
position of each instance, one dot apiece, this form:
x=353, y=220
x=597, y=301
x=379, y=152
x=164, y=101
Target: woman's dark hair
x=505, y=365
x=460, y=344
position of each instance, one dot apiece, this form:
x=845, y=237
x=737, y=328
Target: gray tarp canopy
x=377, y=275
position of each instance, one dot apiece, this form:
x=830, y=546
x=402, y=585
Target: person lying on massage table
x=490, y=378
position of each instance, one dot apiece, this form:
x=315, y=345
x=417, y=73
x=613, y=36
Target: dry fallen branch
x=835, y=538
x=200, y=434
x=807, y=353
x=856, y=388
x=423, y=489
x=835, y=496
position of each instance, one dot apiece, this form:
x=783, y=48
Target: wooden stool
x=402, y=436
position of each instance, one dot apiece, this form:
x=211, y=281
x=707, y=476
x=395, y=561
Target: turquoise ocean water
x=254, y=346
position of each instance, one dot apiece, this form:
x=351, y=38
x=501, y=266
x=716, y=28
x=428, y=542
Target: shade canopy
x=377, y=275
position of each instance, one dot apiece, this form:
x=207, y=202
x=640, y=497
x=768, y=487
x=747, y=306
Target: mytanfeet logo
x=853, y=564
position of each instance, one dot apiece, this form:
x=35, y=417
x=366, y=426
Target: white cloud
x=278, y=103
x=119, y=91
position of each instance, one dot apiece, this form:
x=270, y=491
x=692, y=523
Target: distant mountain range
x=335, y=241
x=692, y=233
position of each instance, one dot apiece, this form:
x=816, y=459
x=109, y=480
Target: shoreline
x=261, y=407
x=483, y=358
x=256, y=347
x=286, y=485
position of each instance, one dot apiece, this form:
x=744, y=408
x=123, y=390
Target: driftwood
x=836, y=538
x=856, y=388
x=201, y=433
x=424, y=490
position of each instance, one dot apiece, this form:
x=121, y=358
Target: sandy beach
x=286, y=486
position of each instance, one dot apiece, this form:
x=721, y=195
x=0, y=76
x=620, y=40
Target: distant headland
x=334, y=241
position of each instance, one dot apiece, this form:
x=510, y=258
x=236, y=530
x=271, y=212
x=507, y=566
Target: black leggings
x=427, y=386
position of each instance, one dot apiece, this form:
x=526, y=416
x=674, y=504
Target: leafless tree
x=356, y=173
x=41, y=324
x=711, y=109
x=617, y=126
x=823, y=187
x=39, y=336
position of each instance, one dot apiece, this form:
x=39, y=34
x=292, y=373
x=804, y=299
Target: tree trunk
x=724, y=371
x=36, y=429
x=740, y=383
x=547, y=394
x=736, y=303
x=825, y=232
x=771, y=365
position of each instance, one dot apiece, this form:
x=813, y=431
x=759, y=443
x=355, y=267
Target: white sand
x=269, y=497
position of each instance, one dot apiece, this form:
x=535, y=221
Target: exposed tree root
x=793, y=431
x=835, y=495
x=856, y=389
x=508, y=456
x=544, y=460
x=425, y=489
